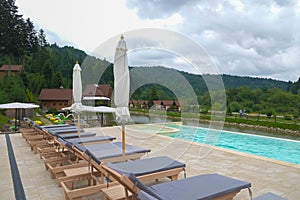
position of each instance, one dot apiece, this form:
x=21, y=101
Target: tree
x=14, y=89
x=152, y=95
x=11, y=37
x=295, y=87
x=42, y=38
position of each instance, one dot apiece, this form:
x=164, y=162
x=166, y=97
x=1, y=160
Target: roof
x=12, y=68
x=103, y=90
x=166, y=102
x=56, y=94
x=141, y=102
x=106, y=90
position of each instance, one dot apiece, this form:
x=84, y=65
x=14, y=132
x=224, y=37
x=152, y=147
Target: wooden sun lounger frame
x=70, y=193
x=130, y=188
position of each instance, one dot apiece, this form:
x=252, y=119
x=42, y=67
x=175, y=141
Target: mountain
x=199, y=83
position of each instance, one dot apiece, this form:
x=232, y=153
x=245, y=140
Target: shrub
x=288, y=117
x=269, y=114
x=204, y=111
x=52, y=111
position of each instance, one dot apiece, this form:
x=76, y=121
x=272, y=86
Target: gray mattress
x=109, y=150
x=75, y=135
x=146, y=166
x=203, y=187
x=55, y=126
x=55, y=131
x=91, y=139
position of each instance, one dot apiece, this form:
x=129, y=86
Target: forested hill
x=235, y=82
x=253, y=83
x=200, y=86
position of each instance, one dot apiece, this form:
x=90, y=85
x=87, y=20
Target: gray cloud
x=154, y=9
x=253, y=38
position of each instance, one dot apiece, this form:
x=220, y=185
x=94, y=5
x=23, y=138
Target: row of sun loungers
x=98, y=160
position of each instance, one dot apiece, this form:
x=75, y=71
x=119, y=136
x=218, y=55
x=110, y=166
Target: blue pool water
x=275, y=148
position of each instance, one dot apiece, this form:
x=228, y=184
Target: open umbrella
x=17, y=105
x=77, y=93
x=121, y=87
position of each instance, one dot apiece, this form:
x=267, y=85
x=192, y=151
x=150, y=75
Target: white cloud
x=253, y=38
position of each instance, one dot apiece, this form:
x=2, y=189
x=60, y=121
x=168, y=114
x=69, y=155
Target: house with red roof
x=55, y=98
x=14, y=69
x=167, y=105
x=61, y=98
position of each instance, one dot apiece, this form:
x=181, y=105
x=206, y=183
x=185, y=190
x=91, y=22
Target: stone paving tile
x=265, y=176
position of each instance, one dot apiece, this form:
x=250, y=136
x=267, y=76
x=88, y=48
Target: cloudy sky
x=258, y=38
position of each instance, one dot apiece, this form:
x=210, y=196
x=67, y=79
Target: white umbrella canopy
x=77, y=93
x=17, y=105
x=121, y=87
x=100, y=109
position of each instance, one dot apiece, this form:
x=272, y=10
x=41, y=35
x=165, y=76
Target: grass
x=265, y=121
x=3, y=120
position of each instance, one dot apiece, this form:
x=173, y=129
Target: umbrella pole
x=16, y=115
x=123, y=142
x=78, y=125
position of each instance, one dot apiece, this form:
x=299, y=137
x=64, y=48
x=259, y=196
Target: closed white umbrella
x=121, y=87
x=77, y=93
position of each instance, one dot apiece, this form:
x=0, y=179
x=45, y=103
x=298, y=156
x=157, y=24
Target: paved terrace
x=264, y=174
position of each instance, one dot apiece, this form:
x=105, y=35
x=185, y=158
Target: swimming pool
x=280, y=149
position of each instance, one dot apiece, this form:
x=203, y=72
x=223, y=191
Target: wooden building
x=14, y=70
x=55, y=98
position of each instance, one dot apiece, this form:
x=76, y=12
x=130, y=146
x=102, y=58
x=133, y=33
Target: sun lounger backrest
x=79, y=147
x=143, y=187
x=91, y=156
x=130, y=182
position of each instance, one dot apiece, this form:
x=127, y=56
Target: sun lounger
x=55, y=126
x=111, y=152
x=64, y=141
x=57, y=171
x=106, y=152
x=146, y=169
x=91, y=140
x=207, y=186
x=269, y=196
x=61, y=142
x=153, y=166
x=54, y=131
x=75, y=135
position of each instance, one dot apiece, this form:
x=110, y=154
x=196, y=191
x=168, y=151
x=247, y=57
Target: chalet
x=167, y=105
x=55, y=98
x=138, y=104
x=14, y=69
x=61, y=98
